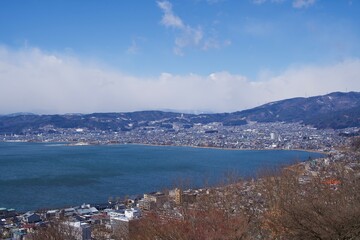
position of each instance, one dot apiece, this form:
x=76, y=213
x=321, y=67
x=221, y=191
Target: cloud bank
x=32, y=80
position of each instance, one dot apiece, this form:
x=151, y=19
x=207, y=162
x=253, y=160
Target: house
x=100, y=219
x=120, y=207
x=52, y=214
x=86, y=209
x=31, y=217
x=68, y=212
x=133, y=213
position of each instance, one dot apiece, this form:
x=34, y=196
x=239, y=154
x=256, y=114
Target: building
x=188, y=196
x=68, y=212
x=178, y=196
x=146, y=204
x=31, y=217
x=152, y=200
x=86, y=209
x=122, y=224
x=81, y=231
x=133, y=213
x=52, y=214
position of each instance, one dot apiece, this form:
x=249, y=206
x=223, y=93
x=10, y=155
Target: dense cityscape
x=251, y=136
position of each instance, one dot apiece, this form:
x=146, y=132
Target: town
x=118, y=217
x=277, y=135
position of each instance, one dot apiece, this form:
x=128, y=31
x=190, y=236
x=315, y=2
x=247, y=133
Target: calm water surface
x=37, y=175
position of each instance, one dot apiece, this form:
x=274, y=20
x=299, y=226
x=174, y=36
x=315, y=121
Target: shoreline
x=230, y=149
x=82, y=144
x=191, y=146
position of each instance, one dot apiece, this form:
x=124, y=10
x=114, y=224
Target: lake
x=41, y=175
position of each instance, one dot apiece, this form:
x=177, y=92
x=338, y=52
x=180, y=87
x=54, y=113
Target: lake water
x=38, y=175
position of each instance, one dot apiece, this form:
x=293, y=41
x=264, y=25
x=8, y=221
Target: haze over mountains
x=335, y=110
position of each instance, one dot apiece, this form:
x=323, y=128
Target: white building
x=132, y=213
x=122, y=222
x=82, y=231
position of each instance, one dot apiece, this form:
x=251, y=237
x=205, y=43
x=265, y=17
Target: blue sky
x=185, y=55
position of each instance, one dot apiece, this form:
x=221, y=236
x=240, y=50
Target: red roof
x=332, y=181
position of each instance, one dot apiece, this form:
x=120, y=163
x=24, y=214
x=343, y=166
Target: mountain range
x=335, y=110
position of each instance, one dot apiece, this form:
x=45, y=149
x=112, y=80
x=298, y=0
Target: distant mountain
x=19, y=114
x=334, y=110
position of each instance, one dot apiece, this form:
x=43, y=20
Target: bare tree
x=217, y=214
x=326, y=207
x=101, y=232
x=355, y=144
x=55, y=230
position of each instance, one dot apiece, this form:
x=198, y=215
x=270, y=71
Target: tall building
x=178, y=196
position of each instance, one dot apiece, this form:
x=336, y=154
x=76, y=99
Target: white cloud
x=169, y=18
x=34, y=81
x=187, y=36
x=258, y=1
x=303, y=3
x=296, y=3
x=215, y=43
x=134, y=48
